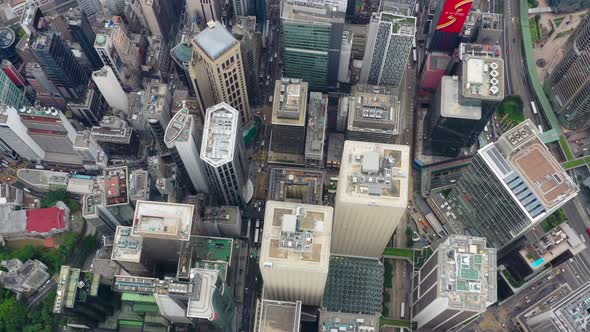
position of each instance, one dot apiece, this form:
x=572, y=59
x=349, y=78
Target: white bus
x=256, y=236
x=534, y=107
x=403, y=306
x=540, y=128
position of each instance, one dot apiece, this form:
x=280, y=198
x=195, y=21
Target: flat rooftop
x=290, y=102
x=316, y=125
x=228, y=215
x=320, y=11
x=115, y=186
x=43, y=179
x=278, y=316
x=296, y=185
x=219, y=134
x=179, y=127
x=400, y=24
x=297, y=236
x=66, y=288
x=363, y=275
x=200, y=305
x=215, y=40
x=574, y=310
x=163, y=220
x=451, y=103
x=213, y=249
x=139, y=185
x=467, y=273
x=126, y=246
x=528, y=171
x=373, y=108
x=375, y=173
x=483, y=78
x=348, y=322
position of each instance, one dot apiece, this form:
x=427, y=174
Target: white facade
x=14, y=133
x=222, y=152
x=107, y=83
x=372, y=197
x=181, y=136
x=103, y=44
x=206, y=10
x=150, y=17
x=295, y=251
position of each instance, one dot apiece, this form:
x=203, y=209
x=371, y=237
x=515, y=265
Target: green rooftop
x=132, y=297
x=212, y=249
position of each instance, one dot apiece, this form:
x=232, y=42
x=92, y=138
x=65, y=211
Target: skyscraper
x=240, y=8
x=311, y=33
x=205, y=10
x=447, y=22
x=568, y=84
x=109, y=55
x=60, y=65
x=91, y=109
x=315, y=136
x=510, y=186
x=82, y=31
x=183, y=139
x=295, y=251
x=389, y=42
x=111, y=89
x=91, y=8
x=371, y=198
x=457, y=283
x=10, y=94
x=223, y=154
x=220, y=52
x=14, y=134
x=245, y=31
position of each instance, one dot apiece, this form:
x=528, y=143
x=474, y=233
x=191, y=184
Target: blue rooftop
x=215, y=40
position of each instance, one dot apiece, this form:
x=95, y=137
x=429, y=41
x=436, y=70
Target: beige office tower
x=217, y=52
x=371, y=198
x=295, y=251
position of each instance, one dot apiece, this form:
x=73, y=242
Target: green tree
x=53, y=197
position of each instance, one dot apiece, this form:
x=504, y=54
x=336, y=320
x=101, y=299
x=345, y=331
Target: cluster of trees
x=53, y=197
x=15, y=316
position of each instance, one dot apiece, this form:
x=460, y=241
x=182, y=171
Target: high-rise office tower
x=223, y=154
x=205, y=10
x=13, y=74
x=390, y=39
x=311, y=37
x=457, y=283
x=91, y=8
x=568, y=84
x=569, y=310
x=181, y=55
x=111, y=89
x=270, y=313
x=446, y=24
x=371, y=198
x=183, y=138
x=295, y=251
x=373, y=113
x=156, y=111
x=287, y=140
x=60, y=65
x=434, y=70
x=158, y=15
x=14, y=134
x=510, y=186
x=93, y=156
x=245, y=32
x=240, y=8
x=315, y=137
x=103, y=44
x=403, y=7
x=91, y=109
x=10, y=93
x=46, y=92
x=220, y=52
x=82, y=31
x=9, y=38
x=463, y=105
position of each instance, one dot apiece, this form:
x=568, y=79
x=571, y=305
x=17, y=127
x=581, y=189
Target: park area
x=510, y=112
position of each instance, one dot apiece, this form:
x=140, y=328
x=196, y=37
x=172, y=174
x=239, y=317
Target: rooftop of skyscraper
x=126, y=246
x=229, y=215
x=348, y=322
x=452, y=105
x=374, y=173
x=163, y=220
x=374, y=108
x=157, y=98
x=201, y=305
x=278, y=316
x=215, y=40
x=179, y=127
x=115, y=185
x=401, y=25
x=296, y=185
x=316, y=125
x=296, y=236
x=483, y=77
x=529, y=172
x=363, y=275
x=139, y=185
x=290, y=102
x=219, y=134
x=321, y=11
x=112, y=128
x=466, y=272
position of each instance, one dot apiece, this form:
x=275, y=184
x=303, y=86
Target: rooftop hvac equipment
x=494, y=65
x=494, y=81
x=494, y=73
x=494, y=90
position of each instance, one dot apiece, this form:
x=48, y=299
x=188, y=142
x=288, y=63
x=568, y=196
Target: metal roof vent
x=211, y=24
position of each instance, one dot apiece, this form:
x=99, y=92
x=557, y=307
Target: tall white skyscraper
x=183, y=139
x=372, y=197
x=223, y=153
x=106, y=81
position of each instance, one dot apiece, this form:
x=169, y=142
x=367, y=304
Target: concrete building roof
x=163, y=220
x=219, y=134
x=483, y=78
x=335, y=147
x=215, y=40
x=290, y=102
x=278, y=316
x=318, y=11
x=126, y=246
x=316, y=125
x=374, y=173
x=467, y=273
x=201, y=304
x=452, y=106
x=348, y=322
x=401, y=25
x=228, y=215
x=139, y=185
x=43, y=179
x=179, y=127
x=296, y=185
x=296, y=236
x=374, y=108
x=115, y=185
x=528, y=171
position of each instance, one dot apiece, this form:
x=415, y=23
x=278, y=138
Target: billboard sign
x=453, y=15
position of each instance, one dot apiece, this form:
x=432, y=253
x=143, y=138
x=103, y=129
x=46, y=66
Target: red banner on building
x=453, y=15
